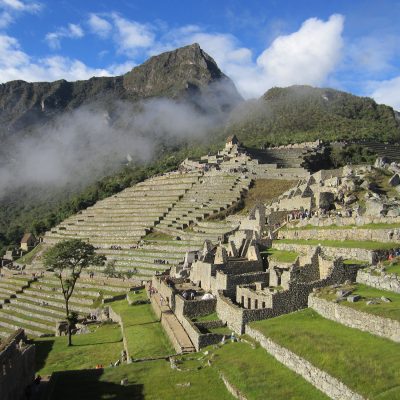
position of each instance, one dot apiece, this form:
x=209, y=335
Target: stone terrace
x=36, y=303
x=117, y=226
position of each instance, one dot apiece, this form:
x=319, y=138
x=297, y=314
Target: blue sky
x=349, y=45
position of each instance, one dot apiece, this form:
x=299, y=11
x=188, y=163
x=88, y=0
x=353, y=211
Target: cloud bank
x=79, y=147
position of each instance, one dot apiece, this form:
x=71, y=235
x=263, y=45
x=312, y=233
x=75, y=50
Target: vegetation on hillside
x=38, y=209
x=302, y=113
x=287, y=115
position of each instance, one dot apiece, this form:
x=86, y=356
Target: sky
x=347, y=45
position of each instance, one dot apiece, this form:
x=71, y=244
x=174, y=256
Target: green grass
x=264, y=191
x=283, y=256
x=153, y=380
x=206, y=318
x=392, y=267
x=354, y=262
x=102, y=346
x=252, y=370
x=144, y=333
x=367, y=364
x=353, y=244
x=259, y=376
x=157, y=236
x=386, y=310
x=140, y=295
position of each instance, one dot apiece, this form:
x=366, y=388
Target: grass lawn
x=259, y=376
x=354, y=262
x=157, y=236
x=353, y=244
x=365, y=363
x=102, y=346
x=153, y=380
x=392, y=267
x=283, y=256
x=252, y=370
x=140, y=295
x=206, y=318
x=386, y=310
x=144, y=333
x=264, y=191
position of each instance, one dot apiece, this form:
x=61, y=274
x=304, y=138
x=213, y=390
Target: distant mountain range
x=187, y=74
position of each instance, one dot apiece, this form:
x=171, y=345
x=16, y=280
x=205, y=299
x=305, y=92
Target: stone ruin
x=233, y=280
x=347, y=192
x=17, y=367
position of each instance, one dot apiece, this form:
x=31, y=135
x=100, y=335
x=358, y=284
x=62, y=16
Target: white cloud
x=387, y=92
x=99, y=26
x=5, y=19
x=306, y=56
x=372, y=54
x=16, y=64
x=73, y=31
x=18, y=5
x=132, y=36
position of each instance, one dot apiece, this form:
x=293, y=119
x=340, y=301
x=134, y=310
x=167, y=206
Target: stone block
x=353, y=298
x=394, y=180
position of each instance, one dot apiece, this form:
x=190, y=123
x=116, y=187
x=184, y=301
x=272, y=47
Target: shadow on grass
x=42, y=351
x=86, y=385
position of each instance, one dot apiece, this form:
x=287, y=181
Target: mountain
x=304, y=113
x=185, y=74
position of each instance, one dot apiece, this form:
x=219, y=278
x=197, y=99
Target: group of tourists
x=160, y=261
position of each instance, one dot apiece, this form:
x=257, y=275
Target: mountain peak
x=174, y=71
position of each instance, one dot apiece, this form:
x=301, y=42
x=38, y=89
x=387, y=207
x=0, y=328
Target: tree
x=68, y=259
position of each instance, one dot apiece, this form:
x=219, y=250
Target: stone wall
x=382, y=281
x=326, y=383
x=193, y=308
x=296, y=203
x=187, y=309
x=344, y=221
x=17, y=367
x=228, y=283
x=117, y=318
x=385, y=327
x=236, y=317
x=371, y=256
x=376, y=235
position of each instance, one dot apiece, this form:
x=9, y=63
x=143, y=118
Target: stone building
x=17, y=367
x=28, y=241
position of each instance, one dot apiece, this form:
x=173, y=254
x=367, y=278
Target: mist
x=83, y=145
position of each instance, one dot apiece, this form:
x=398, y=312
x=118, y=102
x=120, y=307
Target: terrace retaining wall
x=383, y=281
x=326, y=383
x=384, y=327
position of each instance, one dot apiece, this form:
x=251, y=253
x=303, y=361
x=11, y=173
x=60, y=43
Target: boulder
x=374, y=208
x=394, y=180
x=365, y=185
x=350, y=199
x=381, y=162
x=353, y=298
x=393, y=212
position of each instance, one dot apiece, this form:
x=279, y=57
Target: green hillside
x=304, y=113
